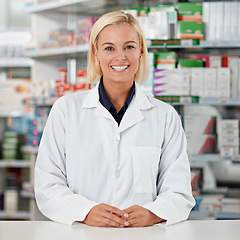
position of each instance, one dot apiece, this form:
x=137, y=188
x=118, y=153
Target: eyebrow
x=109, y=43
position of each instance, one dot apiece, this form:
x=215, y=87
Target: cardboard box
x=188, y=63
x=191, y=30
x=165, y=60
x=200, y=144
x=210, y=82
x=199, y=125
x=189, y=11
x=197, y=87
x=171, y=82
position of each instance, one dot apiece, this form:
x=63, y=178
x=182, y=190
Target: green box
x=182, y=62
x=165, y=59
x=191, y=30
x=190, y=11
x=142, y=11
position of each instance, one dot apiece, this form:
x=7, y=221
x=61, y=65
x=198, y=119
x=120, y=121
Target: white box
x=197, y=81
x=230, y=141
x=200, y=144
x=210, y=82
x=199, y=124
x=206, y=19
x=230, y=133
x=227, y=25
x=233, y=64
x=223, y=82
x=230, y=124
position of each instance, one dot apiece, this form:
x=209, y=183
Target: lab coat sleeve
x=174, y=201
x=54, y=198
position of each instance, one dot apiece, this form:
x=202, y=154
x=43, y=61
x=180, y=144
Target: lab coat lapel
x=92, y=101
x=134, y=115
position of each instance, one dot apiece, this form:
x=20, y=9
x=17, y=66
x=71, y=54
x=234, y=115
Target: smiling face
x=118, y=52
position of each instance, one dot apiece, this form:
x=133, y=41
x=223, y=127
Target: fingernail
x=126, y=223
x=125, y=215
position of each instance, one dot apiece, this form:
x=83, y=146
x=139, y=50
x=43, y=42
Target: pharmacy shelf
x=204, y=158
x=68, y=6
x=219, y=101
x=51, y=5
x=15, y=163
x=15, y=62
x=15, y=113
x=210, y=101
x=41, y=101
x=187, y=43
x=220, y=44
x=58, y=51
x=30, y=149
x=16, y=215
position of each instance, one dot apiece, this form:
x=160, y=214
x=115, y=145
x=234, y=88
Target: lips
x=120, y=68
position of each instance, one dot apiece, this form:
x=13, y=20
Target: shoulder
x=71, y=101
x=159, y=105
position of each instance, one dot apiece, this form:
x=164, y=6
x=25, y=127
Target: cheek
x=104, y=61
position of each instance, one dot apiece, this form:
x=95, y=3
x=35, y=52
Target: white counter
x=189, y=230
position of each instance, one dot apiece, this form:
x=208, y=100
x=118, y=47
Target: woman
x=113, y=156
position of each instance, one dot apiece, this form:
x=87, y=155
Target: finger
x=117, y=212
x=117, y=219
x=133, y=223
x=129, y=210
x=110, y=223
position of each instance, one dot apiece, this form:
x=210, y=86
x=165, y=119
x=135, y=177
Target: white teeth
x=119, y=68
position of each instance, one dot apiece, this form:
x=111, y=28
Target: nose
x=120, y=55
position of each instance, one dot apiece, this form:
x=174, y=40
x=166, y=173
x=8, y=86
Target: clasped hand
x=104, y=215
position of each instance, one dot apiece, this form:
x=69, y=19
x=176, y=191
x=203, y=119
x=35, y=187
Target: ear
x=141, y=50
x=94, y=50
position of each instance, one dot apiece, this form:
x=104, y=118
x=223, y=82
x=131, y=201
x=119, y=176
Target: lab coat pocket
x=145, y=169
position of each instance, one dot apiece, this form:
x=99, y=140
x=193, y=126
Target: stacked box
x=147, y=87
x=10, y=145
x=197, y=75
x=165, y=60
x=210, y=82
x=169, y=82
x=36, y=125
x=183, y=62
x=189, y=11
x=230, y=134
x=162, y=22
x=201, y=134
x=84, y=26
x=223, y=82
x=190, y=30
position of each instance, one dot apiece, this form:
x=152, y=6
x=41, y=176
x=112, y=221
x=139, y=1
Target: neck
x=117, y=92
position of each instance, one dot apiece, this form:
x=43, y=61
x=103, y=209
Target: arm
x=174, y=200
x=54, y=198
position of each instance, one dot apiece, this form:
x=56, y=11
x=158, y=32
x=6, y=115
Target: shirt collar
x=103, y=98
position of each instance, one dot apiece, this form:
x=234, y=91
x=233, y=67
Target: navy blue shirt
x=105, y=101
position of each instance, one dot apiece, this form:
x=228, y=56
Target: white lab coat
x=85, y=159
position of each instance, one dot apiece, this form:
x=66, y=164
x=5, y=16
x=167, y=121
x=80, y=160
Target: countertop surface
x=189, y=230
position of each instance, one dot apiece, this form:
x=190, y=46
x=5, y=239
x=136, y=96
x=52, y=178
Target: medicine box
x=191, y=30
x=201, y=144
x=189, y=11
x=195, y=125
x=183, y=62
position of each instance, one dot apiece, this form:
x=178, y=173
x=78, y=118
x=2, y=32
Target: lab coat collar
x=133, y=114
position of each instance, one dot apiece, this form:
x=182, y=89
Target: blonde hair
x=93, y=68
